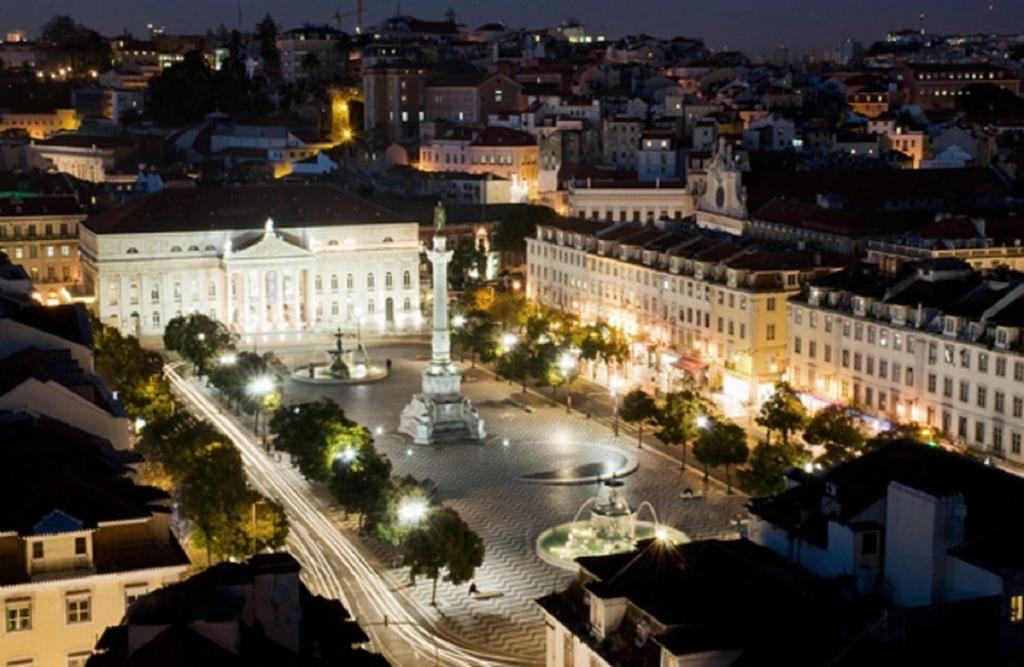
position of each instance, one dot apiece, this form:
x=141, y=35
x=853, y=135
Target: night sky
x=754, y=26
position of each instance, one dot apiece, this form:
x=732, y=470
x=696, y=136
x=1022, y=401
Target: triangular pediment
x=270, y=246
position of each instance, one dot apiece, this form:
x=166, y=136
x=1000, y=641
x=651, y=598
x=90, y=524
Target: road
x=334, y=566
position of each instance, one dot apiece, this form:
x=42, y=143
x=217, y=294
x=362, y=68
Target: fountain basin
x=359, y=374
x=562, y=545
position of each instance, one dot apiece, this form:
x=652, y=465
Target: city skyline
x=758, y=28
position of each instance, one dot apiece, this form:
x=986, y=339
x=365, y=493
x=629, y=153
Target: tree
x=724, y=444
x=73, y=44
x=678, y=418
x=478, y=334
x=198, y=339
x=638, y=408
x=360, y=483
x=314, y=435
x=210, y=492
x=834, y=428
x=766, y=472
x=516, y=224
x=401, y=492
x=444, y=541
x=514, y=365
x=507, y=310
x=266, y=35
x=782, y=413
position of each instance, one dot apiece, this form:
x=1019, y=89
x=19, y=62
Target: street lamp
x=347, y=455
x=508, y=341
x=459, y=321
x=703, y=421
x=615, y=385
x=227, y=359
x=412, y=511
x=260, y=387
x=566, y=364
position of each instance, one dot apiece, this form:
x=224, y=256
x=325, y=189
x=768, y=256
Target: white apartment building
x=705, y=304
x=622, y=200
x=262, y=259
x=940, y=347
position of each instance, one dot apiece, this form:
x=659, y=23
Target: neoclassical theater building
x=262, y=259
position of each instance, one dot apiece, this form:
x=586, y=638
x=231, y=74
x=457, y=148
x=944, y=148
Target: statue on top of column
x=439, y=218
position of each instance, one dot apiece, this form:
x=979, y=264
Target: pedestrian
x=472, y=588
x=388, y=364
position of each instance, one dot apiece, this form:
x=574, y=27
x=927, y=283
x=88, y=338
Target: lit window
x=1016, y=608
x=18, y=615
x=79, y=608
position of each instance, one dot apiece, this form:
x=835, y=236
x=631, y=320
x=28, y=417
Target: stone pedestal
x=440, y=413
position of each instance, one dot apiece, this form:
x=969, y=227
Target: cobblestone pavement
x=483, y=483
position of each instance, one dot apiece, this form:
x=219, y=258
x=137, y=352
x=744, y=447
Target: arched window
x=154, y=294
x=175, y=248
x=407, y=304
x=156, y=318
x=332, y=242
x=369, y=307
x=369, y=281
x=132, y=251
x=319, y=284
x=388, y=281
x=388, y=239
x=193, y=248
x=334, y=282
x=334, y=308
x=406, y=279
x=210, y=248
x=350, y=282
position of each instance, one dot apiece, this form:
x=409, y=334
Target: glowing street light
x=566, y=364
x=703, y=421
x=227, y=359
x=260, y=387
x=508, y=341
x=411, y=512
x=459, y=321
x=616, y=385
x=347, y=455
x=661, y=534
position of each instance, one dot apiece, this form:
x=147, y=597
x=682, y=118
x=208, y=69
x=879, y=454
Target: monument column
x=441, y=342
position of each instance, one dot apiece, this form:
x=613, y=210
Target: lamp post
x=259, y=388
x=566, y=364
x=615, y=385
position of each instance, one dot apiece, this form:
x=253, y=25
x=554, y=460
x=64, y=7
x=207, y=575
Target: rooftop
x=245, y=207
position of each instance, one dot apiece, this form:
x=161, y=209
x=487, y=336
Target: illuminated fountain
x=613, y=527
x=350, y=366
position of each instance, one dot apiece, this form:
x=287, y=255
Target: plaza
x=510, y=489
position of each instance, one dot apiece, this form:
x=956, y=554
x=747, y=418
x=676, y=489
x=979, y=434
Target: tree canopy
x=722, y=443
x=638, y=408
x=834, y=428
x=783, y=413
x=443, y=542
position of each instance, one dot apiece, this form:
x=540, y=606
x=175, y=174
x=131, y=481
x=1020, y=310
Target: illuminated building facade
x=712, y=306
x=939, y=348
x=262, y=259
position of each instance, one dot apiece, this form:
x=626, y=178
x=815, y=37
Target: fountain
x=350, y=366
x=613, y=527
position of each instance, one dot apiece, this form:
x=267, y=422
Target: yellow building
x=41, y=125
x=78, y=543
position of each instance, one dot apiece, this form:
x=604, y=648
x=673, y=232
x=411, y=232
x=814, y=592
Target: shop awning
x=690, y=365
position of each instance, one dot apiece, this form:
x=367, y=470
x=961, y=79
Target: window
x=982, y=362
x=38, y=552
x=982, y=397
x=947, y=387
x=1015, y=443
x=965, y=358
x=18, y=615
x=406, y=279
x=770, y=306
x=370, y=307
x=857, y=361
x=769, y=333
x=1001, y=366
x=80, y=546
x=858, y=331
x=1018, y=406
x=177, y=292
x=133, y=592
x=931, y=383
x=318, y=284
x=965, y=391
x=979, y=432
x=79, y=608
x=998, y=401
x=349, y=281
x=334, y=282
x=1016, y=608
x=388, y=282
x=869, y=543
x=796, y=342
x=154, y=294
x=846, y=359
